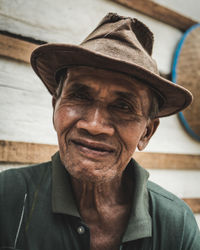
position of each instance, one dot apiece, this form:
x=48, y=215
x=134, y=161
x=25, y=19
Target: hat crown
x=141, y=31
x=122, y=38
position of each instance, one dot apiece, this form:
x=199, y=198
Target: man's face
x=100, y=118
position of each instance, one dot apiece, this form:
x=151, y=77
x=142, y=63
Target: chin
x=90, y=172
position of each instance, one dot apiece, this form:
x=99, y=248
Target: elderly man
x=107, y=100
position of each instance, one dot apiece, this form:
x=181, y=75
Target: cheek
x=65, y=117
x=131, y=136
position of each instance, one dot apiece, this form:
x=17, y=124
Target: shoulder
x=15, y=184
x=18, y=189
x=172, y=216
x=162, y=197
x=14, y=181
x=26, y=172
x=167, y=205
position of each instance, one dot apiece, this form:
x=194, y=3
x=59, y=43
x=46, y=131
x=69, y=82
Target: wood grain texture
x=25, y=153
x=16, y=48
x=22, y=152
x=26, y=106
x=168, y=161
x=194, y=203
x=160, y=13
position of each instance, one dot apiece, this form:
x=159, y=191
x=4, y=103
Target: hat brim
x=47, y=60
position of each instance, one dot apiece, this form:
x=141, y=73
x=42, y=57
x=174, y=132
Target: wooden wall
x=26, y=131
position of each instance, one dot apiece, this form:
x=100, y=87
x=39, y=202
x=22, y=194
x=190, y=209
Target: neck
x=102, y=206
x=95, y=195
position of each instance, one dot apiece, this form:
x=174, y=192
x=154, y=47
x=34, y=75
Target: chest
x=106, y=231
x=107, y=239
x=107, y=226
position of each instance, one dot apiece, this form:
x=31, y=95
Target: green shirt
x=38, y=212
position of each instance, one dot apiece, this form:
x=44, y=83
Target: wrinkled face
x=100, y=118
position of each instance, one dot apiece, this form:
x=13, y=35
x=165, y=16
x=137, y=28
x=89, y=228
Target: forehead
x=97, y=78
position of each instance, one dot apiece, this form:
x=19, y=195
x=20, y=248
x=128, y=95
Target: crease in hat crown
x=118, y=43
x=146, y=40
x=123, y=31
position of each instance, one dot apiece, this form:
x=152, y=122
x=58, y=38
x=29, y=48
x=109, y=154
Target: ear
x=148, y=132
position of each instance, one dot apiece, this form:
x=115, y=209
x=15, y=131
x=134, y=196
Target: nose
x=96, y=122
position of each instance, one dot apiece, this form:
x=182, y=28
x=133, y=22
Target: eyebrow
x=79, y=87
x=126, y=95
x=132, y=97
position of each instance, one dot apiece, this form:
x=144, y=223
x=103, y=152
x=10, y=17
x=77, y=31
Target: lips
x=92, y=148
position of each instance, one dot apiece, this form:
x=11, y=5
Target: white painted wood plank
x=65, y=21
x=26, y=111
x=184, y=184
x=171, y=137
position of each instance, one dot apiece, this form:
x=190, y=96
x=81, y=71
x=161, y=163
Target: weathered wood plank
x=194, y=203
x=15, y=48
x=21, y=152
x=26, y=106
x=26, y=153
x=160, y=13
x=168, y=161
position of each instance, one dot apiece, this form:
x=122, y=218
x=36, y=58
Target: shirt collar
x=63, y=201
x=140, y=223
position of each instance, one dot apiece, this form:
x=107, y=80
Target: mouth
x=92, y=148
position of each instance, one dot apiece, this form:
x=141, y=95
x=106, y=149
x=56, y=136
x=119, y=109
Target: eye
x=122, y=106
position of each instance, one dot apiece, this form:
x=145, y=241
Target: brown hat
x=120, y=44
